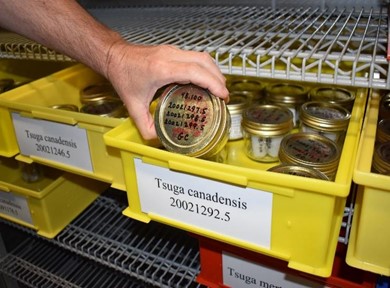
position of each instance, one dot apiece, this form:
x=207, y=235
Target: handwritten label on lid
x=188, y=114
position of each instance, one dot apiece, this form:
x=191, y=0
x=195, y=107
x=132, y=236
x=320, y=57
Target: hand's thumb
x=145, y=125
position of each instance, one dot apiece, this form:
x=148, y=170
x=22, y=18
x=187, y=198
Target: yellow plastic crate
x=47, y=205
x=21, y=71
x=306, y=214
x=32, y=103
x=369, y=241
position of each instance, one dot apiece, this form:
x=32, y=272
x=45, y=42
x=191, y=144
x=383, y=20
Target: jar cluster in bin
x=296, y=126
x=99, y=99
x=288, y=124
x=381, y=157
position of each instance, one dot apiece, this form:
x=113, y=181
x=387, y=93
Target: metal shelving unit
x=38, y=264
x=157, y=255
x=323, y=45
x=337, y=46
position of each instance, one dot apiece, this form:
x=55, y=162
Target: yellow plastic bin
x=369, y=241
x=47, y=205
x=66, y=140
x=288, y=217
x=21, y=71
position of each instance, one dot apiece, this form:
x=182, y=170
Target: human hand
x=137, y=72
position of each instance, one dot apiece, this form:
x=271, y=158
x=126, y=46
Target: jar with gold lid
x=287, y=95
x=98, y=92
x=302, y=171
x=190, y=120
x=236, y=106
x=251, y=87
x=324, y=118
x=334, y=95
x=313, y=150
x=67, y=107
x=263, y=128
x=383, y=131
x=105, y=108
x=381, y=159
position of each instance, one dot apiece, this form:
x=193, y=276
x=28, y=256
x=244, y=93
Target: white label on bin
x=15, y=206
x=242, y=213
x=239, y=272
x=54, y=141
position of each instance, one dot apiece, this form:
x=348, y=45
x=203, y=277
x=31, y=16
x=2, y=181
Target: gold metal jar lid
x=302, y=171
x=311, y=150
x=325, y=116
x=98, y=92
x=190, y=120
x=381, y=158
x=6, y=84
x=383, y=131
x=286, y=93
x=67, y=107
x=237, y=103
x=335, y=95
x=105, y=108
x=250, y=86
x=267, y=120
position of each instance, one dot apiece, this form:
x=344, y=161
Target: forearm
x=63, y=26
x=136, y=72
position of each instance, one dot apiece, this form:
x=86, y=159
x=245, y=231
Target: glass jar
x=334, y=95
x=383, y=131
x=302, y=171
x=312, y=150
x=381, y=159
x=324, y=118
x=190, y=120
x=220, y=157
x=98, y=92
x=251, y=87
x=287, y=95
x=31, y=172
x=263, y=127
x=105, y=108
x=237, y=104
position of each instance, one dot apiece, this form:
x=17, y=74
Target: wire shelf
x=14, y=46
x=36, y=263
x=335, y=46
x=155, y=254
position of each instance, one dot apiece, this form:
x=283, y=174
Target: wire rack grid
x=157, y=255
x=333, y=45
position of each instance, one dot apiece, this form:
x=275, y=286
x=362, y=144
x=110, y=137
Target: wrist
x=114, y=56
